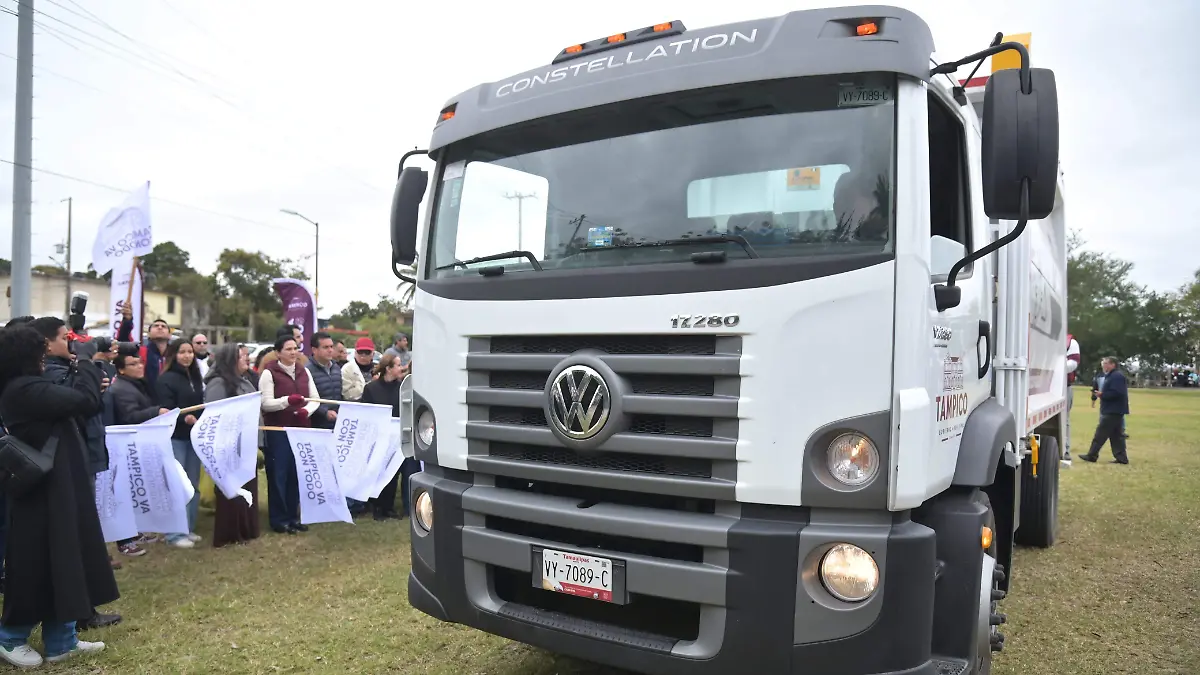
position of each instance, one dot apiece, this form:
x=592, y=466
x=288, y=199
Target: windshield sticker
x=853, y=95
x=455, y=170
x=600, y=236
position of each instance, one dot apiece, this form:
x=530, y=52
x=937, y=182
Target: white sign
x=159, y=496
x=321, y=498
x=124, y=233
x=362, y=432
x=390, y=460
x=115, y=496
x=225, y=439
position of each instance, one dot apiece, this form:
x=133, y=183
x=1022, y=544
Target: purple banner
x=299, y=308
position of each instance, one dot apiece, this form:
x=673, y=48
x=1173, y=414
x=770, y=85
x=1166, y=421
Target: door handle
x=985, y=332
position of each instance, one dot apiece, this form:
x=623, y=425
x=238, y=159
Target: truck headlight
x=423, y=510
x=849, y=573
x=853, y=459
x=425, y=431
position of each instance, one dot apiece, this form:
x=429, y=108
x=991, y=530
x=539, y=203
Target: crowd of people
x=58, y=392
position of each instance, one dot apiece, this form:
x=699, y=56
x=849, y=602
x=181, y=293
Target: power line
x=172, y=202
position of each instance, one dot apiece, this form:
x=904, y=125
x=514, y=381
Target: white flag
x=391, y=460
x=321, y=499
x=119, y=292
x=362, y=431
x=160, y=497
x=115, y=494
x=226, y=441
x=124, y=233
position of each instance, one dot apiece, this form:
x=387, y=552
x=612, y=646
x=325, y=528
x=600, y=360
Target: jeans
x=59, y=638
x=283, y=486
x=186, y=456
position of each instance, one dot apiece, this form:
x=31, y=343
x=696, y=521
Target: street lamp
x=317, y=254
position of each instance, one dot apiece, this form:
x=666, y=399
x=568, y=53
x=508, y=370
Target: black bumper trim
x=763, y=549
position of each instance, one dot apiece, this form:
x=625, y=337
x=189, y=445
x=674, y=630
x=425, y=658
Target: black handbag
x=22, y=466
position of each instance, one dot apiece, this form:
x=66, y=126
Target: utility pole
x=69, y=202
x=520, y=225
x=22, y=235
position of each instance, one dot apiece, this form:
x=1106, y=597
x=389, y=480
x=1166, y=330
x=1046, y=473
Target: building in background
x=49, y=298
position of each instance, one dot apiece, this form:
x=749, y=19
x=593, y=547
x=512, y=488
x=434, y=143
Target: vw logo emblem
x=580, y=402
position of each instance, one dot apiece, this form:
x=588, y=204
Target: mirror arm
x=1026, y=79
x=404, y=159
x=948, y=295
x=402, y=277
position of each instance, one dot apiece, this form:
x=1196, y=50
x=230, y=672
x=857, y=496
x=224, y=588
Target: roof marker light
x=619, y=37
x=660, y=27
x=868, y=28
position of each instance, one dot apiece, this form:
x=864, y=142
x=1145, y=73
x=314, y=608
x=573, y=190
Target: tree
x=245, y=278
x=167, y=261
x=407, y=290
x=5, y=267
x=1103, y=304
x=349, y=317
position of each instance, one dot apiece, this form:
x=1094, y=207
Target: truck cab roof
x=872, y=38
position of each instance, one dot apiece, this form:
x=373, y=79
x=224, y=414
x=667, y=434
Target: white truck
x=764, y=384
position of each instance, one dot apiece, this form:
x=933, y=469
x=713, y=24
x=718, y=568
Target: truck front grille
x=680, y=396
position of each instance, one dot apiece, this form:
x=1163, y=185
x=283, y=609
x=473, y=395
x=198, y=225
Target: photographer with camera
x=61, y=369
x=55, y=557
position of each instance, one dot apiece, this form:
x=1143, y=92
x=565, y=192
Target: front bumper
x=745, y=603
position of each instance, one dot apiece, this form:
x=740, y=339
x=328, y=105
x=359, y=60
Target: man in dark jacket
x=60, y=369
x=1114, y=406
x=327, y=376
x=153, y=352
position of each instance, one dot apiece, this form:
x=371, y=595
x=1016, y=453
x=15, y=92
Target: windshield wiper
x=495, y=256
x=711, y=239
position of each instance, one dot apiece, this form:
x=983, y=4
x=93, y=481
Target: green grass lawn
x=1120, y=593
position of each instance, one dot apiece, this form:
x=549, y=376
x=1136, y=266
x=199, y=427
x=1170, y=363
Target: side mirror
x=1020, y=143
x=406, y=205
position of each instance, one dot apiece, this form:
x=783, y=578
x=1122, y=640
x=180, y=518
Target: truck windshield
x=795, y=168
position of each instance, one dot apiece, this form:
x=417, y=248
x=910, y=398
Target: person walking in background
x=180, y=386
x=359, y=371
x=385, y=390
x=55, y=559
x=59, y=369
x=236, y=521
x=284, y=385
x=153, y=354
x=133, y=403
x=1097, y=387
x=1114, y=406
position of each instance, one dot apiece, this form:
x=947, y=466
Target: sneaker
x=21, y=657
x=182, y=542
x=81, y=647
x=149, y=539
x=195, y=538
x=131, y=549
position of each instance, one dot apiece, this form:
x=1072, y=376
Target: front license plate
x=574, y=574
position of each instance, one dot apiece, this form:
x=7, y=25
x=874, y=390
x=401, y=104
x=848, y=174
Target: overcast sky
x=236, y=109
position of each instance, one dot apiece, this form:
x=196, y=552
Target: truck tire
x=1039, y=498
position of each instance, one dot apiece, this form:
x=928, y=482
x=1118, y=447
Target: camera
x=76, y=310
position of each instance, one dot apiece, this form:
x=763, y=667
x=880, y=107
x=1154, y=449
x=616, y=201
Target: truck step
x=946, y=666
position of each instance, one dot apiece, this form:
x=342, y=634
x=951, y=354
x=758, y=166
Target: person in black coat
x=59, y=370
x=1114, y=406
x=180, y=386
x=55, y=557
x=385, y=390
x=132, y=403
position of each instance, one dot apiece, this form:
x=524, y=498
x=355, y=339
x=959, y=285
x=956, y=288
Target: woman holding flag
x=236, y=521
x=180, y=386
x=285, y=385
x=385, y=390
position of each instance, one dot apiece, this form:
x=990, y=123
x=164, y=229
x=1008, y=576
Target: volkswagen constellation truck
x=741, y=348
